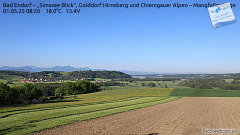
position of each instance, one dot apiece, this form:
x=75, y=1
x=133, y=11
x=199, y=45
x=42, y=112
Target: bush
x=18, y=94
x=42, y=99
x=59, y=92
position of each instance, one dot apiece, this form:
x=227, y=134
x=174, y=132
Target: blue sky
x=173, y=40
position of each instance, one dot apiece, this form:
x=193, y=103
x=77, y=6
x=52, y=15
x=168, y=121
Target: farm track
x=185, y=116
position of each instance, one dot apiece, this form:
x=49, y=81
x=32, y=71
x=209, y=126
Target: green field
x=193, y=92
x=14, y=79
x=32, y=118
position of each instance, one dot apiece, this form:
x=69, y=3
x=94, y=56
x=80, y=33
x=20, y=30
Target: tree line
x=211, y=83
x=18, y=94
x=48, y=89
x=111, y=83
x=151, y=84
x=69, y=75
x=148, y=79
x=26, y=93
x=79, y=87
x=99, y=74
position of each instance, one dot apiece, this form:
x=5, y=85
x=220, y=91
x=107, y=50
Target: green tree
x=4, y=89
x=30, y=92
x=85, y=86
x=68, y=87
x=59, y=92
x=78, y=87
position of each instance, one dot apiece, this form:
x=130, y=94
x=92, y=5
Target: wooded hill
x=67, y=75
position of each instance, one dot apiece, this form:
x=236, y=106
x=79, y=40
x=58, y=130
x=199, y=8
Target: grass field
x=32, y=118
x=170, y=84
x=95, y=97
x=13, y=78
x=193, y=92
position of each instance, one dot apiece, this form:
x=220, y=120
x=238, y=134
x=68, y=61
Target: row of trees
x=45, y=74
x=211, y=83
x=18, y=94
x=48, y=89
x=68, y=75
x=79, y=87
x=148, y=79
x=111, y=83
x=151, y=84
x=28, y=92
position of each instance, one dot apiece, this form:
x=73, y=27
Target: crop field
x=138, y=110
x=194, y=92
x=32, y=118
x=185, y=116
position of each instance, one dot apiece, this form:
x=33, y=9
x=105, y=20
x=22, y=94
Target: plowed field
x=188, y=115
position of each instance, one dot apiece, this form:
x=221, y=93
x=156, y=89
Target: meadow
x=35, y=117
x=14, y=79
x=194, y=92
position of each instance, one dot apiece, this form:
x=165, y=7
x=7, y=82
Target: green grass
x=170, y=84
x=193, y=92
x=95, y=97
x=14, y=78
x=32, y=118
x=229, y=80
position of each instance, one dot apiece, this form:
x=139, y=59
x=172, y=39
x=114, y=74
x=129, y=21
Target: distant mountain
x=66, y=69
x=39, y=69
x=138, y=72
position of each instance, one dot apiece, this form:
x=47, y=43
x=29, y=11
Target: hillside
x=64, y=75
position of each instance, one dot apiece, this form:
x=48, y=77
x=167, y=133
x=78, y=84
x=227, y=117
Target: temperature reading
x=54, y=10
x=40, y=7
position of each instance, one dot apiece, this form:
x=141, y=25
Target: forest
x=67, y=75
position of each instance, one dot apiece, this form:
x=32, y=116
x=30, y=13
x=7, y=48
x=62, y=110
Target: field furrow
x=186, y=116
x=35, y=120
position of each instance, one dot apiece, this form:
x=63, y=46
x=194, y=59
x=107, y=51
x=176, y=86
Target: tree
x=94, y=87
x=30, y=92
x=59, y=92
x=4, y=89
x=68, y=88
x=78, y=87
x=85, y=86
x=18, y=94
x=151, y=84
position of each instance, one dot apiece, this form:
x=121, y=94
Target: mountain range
x=39, y=69
x=64, y=69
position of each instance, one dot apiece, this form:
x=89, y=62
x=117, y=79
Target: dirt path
x=186, y=116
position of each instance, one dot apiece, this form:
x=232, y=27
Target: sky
x=172, y=40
